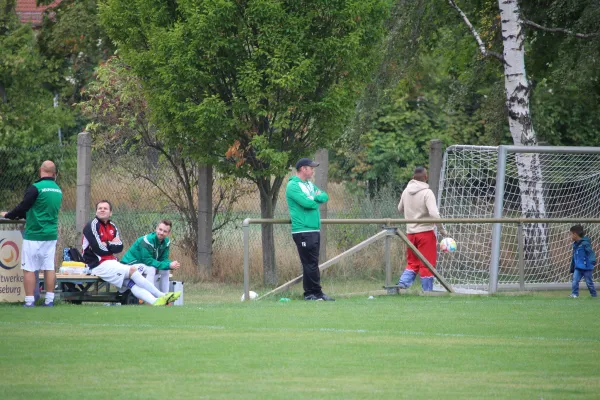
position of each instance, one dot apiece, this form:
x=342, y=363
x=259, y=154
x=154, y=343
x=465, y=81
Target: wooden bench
x=79, y=288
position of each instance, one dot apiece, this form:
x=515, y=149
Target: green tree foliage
x=399, y=138
x=565, y=71
x=255, y=75
x=73, y=44
x=116, y=104
x=253, y=83
x=27, y=114
x=29, y=122
x=447, y=90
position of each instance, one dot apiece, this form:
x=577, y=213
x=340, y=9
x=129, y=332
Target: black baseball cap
x=306, y=162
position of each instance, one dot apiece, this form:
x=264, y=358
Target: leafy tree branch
x=482, y=48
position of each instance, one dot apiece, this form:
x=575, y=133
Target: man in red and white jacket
x=418, y=201
x=101, y=242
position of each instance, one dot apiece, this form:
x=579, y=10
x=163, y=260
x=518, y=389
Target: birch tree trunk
x=529, y=169
x=516, y=85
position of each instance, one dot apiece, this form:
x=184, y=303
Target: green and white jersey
x=304, y=198
x=40, y=207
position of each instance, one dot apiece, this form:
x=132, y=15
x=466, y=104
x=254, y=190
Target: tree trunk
x=152, y=158
x=3, y=96
x=267, y=210
x=515, y=78
x=205, y=219
x=269, y=192
x=535, y=236
x=189, y=210
x=518, y=91
x=322, y=181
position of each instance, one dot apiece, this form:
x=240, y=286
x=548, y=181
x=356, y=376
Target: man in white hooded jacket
x=418, y=201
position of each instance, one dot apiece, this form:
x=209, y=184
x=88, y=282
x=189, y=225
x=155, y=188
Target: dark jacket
x=95, y=235
x=583, y=255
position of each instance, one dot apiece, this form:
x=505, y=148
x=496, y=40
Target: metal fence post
x=388, y=261
x=497, y=227
x=521, y=250
x=246, y=233
x=84, y=181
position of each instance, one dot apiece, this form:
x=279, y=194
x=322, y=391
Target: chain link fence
x=145, y=186
x=367, y=264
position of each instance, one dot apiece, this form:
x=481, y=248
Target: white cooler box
x=176, y=286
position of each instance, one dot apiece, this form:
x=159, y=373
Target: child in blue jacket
x=582, y=262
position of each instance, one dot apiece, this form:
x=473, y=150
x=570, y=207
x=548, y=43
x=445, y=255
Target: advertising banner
x=11, y=275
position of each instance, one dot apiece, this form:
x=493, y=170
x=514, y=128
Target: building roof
x=28, y=12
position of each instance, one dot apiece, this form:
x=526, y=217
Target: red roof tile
x=28, y=12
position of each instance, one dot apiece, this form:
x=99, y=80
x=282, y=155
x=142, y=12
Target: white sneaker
x=573, y=296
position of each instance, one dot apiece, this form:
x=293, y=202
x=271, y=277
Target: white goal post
x=516, y=182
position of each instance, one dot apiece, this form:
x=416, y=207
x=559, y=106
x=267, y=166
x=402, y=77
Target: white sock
x=145, y=284
x=29, y=300
x=49, y=297
x=163, y=284
x=143, y=294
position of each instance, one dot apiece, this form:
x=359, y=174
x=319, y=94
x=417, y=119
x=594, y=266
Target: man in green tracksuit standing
x=40, y=207
x=303, y=199
x=152, y=250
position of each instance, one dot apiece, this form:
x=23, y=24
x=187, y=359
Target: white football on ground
x=253, y=296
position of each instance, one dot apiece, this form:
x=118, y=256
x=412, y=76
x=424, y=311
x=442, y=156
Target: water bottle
x=66, y=255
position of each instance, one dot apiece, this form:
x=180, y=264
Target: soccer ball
x=448, y=245
x=253, y=296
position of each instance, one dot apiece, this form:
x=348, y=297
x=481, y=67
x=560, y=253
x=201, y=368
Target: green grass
x=529, y=346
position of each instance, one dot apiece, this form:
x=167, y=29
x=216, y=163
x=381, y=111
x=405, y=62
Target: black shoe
x=324, y=297
x=312, y=297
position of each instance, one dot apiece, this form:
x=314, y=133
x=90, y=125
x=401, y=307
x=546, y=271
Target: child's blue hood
x=584, y=239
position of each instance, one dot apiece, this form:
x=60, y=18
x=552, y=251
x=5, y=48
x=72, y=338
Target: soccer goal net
x=549, y=183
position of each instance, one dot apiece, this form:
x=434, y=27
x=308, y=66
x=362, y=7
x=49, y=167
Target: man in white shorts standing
x=40, y=207
x=100, y=242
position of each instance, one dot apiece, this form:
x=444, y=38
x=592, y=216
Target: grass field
x=533, y=346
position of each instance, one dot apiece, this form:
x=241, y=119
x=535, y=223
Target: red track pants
x=426, y=243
